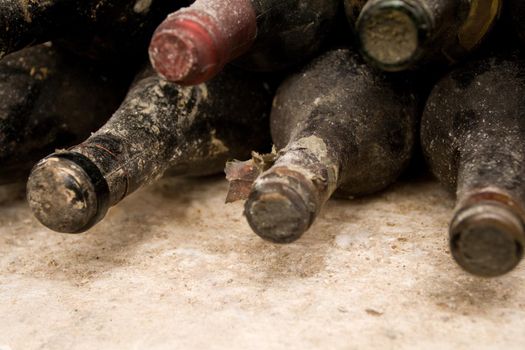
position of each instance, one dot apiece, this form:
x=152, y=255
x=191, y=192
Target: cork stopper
x=281, y=207
x=487, y=239
x=67, y=193
x=391, y=34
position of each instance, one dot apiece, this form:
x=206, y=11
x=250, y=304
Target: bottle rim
x=417, y=15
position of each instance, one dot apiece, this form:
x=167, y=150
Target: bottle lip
x=68, y=193
x=188, y=48
x=281, y=207
x=487, y=238
x=403, y=27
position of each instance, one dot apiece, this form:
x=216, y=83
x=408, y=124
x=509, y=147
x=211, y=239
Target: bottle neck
x=393, y=33
x=396, y=34
x=158, y=124
x=491, y=158
x=311, y=157
x=192, y=45
x=286, y=199
x=487, y=234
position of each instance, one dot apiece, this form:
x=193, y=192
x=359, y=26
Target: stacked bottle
x=159, y=125
x=340, y=126
x=331, y=134
x=397, y=35
x=473, y=136
x=193, y=44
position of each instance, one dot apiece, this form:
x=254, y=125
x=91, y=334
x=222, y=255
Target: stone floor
x=174, y=267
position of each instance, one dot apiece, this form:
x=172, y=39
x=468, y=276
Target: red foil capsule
x=192, y=45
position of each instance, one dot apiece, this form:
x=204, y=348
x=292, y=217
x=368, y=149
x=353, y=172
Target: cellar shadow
x=177, y=188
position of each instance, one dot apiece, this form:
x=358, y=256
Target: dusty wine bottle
x=193, y=130
x=337, y=124
x=473, y=137
x=396, y=35
x=116, y=23
x=193, y=44
x=49, y=99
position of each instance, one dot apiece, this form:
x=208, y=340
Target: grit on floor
x=174, y=267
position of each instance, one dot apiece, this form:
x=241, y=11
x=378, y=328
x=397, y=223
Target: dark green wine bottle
x=473, y=135
x=160, y=125
x=337, y=125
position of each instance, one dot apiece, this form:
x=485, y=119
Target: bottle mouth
x=185, y=50
x=487, y=239
x=391, y=34
x=67, y=193
x=280, y=209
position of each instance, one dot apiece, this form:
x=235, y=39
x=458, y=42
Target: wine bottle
x=337, y=125
x=50, y=99
x=396, y=35
x=193, y=44
x=160, y=125
x=473, y=137
x=113, y=26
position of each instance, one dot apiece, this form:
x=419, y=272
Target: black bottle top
x=160, y=125
x=193, y=44
x=473, y=135
x=337, y=125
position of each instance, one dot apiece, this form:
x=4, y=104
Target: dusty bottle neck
x=490, y=156
x=487, y=234
x=311, y=157
x=286, y=199
x=132, y=148
x=192, y=45
x=396, y=34
x=393, y=33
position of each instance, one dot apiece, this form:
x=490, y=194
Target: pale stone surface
x=174, y=267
